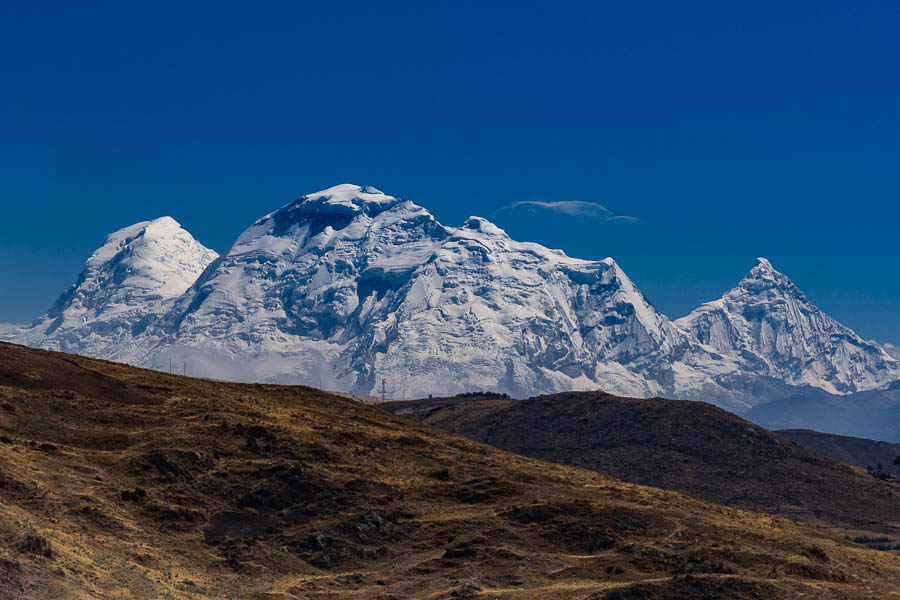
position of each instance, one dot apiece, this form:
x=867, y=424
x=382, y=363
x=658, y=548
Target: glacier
x=349, y=287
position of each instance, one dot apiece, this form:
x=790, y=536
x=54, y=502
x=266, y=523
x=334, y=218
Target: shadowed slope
x=117, y=482
x=691, y=447
x=858, y=451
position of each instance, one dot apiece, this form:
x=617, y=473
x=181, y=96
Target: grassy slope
x=691, y=447
x=858, y=451
x=147, y=485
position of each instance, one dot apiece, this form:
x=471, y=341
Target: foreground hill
x=858, y=451
x=117, y=482
x=691, y=447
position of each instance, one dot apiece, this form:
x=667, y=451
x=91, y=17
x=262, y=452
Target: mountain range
x=354, y=290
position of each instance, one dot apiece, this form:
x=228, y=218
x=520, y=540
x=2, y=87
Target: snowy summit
x=349, y=286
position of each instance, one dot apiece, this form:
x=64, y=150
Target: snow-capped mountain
x=126, y=281
x=775, y=330
x=347, y=287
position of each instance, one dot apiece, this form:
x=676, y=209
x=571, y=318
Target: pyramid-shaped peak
x=163, y=230
x=763, y=273
x=158, y=245
x=134, y=269
x=763, y=264
x=768, y=317
x=763, y=268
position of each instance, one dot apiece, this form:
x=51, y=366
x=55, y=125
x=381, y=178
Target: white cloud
x=572, y=208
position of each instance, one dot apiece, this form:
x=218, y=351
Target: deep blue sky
x=730, y=132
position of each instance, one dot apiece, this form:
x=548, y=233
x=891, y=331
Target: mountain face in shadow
x=692, y=447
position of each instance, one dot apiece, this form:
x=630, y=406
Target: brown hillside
x=117, y=482
x=691, y=447
x=858, y=451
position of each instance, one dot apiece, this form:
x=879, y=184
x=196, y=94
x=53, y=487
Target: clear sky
x=727, y=130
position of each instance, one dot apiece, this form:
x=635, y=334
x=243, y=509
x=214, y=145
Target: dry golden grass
x=118, y=482
x=691, y=447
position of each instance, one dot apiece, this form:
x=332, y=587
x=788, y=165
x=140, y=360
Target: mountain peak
x=136, y=271
x=165, y=221
x=334, y=207
x=157, y=258
x=765, y=279
x=349, y=283
x=767, y=319
x=763, y=269
x=349, y=195
x=483, y=225
x=162, y=230
x=763, y=264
